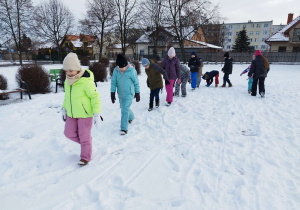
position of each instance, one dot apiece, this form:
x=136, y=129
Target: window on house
x=265, y=32
x=230, y=27
x=142, y=52
x=250, y=40
x=257, y=25
x=237, y=33
x=251, y=33
x=282, y=49
x=244, y=26
x=263, y=47
x=296, y=49
x=228, y=46
x=251, y=25
x=229, y=34
x=256, y=39
x=238, y=26
x=229, y=40
x=256, y=47
x=296, y=35
x=257, y=32
x=266, y=25
x=263, y=39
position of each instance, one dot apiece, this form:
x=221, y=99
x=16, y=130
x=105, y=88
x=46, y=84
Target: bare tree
x=154, y=17
x=99, y=19
x=15, y=15
x=187, y=15
x=126, y=19
x=53, y=20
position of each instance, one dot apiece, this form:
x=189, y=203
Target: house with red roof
x=82, y=41
x=286, y=39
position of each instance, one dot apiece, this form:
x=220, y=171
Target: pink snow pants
x=79, y=130
x=169, y=89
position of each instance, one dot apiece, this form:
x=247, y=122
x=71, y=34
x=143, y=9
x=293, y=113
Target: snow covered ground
x=218, y=148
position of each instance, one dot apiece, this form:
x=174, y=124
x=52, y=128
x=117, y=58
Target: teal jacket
x=82, y=99
x=126, y=83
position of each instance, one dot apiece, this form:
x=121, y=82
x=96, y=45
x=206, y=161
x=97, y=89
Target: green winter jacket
x=82, y=99
x=154, y=73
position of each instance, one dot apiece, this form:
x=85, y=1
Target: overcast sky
x=234, y=10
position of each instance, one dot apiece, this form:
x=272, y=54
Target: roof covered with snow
x=206, y=45
x=281, y=35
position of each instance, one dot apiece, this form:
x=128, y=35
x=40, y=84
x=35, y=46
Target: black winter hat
x=205, y=76
x=226, y=55
x=121, y=61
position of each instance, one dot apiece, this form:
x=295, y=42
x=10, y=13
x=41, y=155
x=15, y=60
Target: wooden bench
x=18, y=90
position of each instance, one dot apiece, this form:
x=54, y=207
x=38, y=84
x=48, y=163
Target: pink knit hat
x=171, y=52
x=257, y=52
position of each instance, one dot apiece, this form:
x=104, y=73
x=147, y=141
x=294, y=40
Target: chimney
x=290, y=18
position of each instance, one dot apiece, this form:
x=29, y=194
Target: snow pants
x=183, y=87
x=169, y=89
x=250, y=81
x=261, y=84
x=226, y=79
x=154, y=94
x=198, y=81
x=126, y=113
x=79, y=130
x=194, y=79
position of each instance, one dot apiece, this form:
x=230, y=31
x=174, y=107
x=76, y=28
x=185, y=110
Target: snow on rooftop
x=279, y=35
x=206, y=44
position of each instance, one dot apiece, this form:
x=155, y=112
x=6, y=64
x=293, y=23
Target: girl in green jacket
x=81, y=107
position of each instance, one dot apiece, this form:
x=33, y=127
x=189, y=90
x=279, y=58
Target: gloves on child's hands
x=137, y=97
x=241, y=74
x=167, y=82
x=64, y=114
x=97, y=119
x=113, y=97
x=178, y=81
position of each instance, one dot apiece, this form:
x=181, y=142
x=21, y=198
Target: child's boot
x=216, y=85
x=82, y=162
x=224, y=85
x=123, y=132
x=156, y=103
x=230, y=85
x=150, y=107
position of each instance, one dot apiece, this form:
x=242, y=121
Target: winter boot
x=123, y=132
x=150, y=107
x=183, y=96
x=156, y=103
x=130, y=121
x=262, y=94
x=168, y=104
x=224, y=85
x=230, y=85
x=82, y=162
x=249, y=91
x=216, y=85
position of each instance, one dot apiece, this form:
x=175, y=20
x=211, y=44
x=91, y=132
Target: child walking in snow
x=199, y=75
x=209, y=77
x=81, y=107
x=172, y=66
x=250, y=79
x=227, y=69
x=154, y=80
x=125, y=80
x=185, y=77
x=194, y=65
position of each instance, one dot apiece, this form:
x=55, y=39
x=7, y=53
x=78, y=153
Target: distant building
x=276, y=28
x=257, y=32
x=288, y=38
x=82, y=41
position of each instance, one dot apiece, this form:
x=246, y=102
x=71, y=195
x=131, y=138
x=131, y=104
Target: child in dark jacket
x=259, y=69
x=227, y=69
x=185, y=77
x=209, y=77
x=194, y=65
x=154, y=80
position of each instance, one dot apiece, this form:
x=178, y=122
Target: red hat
x=257, y=52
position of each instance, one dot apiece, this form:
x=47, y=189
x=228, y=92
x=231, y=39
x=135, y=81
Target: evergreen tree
x=242, y=43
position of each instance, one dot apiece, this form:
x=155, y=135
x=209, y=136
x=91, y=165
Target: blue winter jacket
x=127, y=83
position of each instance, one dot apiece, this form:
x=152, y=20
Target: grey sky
x=233, y=10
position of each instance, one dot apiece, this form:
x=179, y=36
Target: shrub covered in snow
x=99, y=70
x=36, y=78
x=3, y=86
